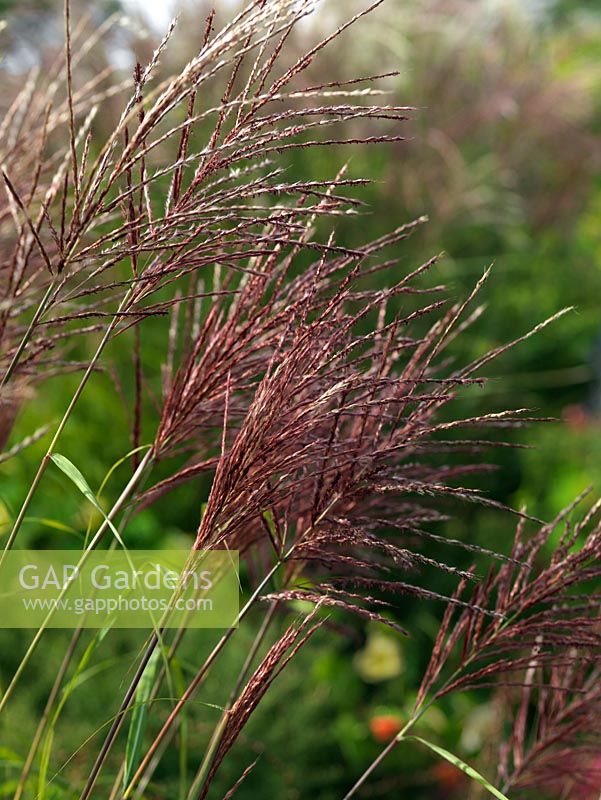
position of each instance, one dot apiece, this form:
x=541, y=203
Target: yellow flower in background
x=478, y=727
x=5, y=518
x=380, y=659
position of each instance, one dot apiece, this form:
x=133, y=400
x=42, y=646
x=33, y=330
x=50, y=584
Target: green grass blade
x=139, y=719
x=118, y=463
x=457, y=762
x=48, y=740
x=44, y=762
x=71, y=471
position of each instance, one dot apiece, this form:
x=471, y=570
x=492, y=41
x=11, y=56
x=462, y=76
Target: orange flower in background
x=385, y=727
x=576, y=416
x=448, y=777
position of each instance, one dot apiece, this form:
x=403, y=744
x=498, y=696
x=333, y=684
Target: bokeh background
x=503, y=153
